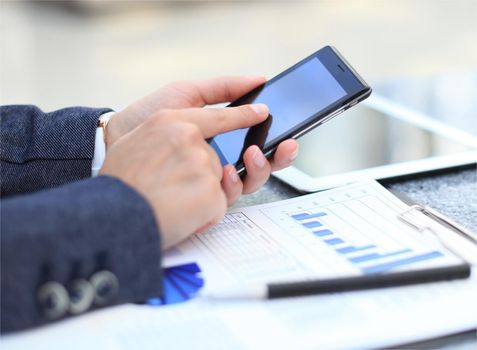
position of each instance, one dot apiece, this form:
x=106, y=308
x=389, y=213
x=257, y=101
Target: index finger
x=214, y=121
x=223, y=89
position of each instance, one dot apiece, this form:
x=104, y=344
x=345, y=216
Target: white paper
x=265, y=243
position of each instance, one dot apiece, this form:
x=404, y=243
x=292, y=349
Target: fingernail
x=259, y=159
x=293, y=155
x=234, y=176
x=260, y=108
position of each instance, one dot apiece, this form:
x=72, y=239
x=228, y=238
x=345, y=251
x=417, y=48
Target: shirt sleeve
x=99, y=147
x=41, y=150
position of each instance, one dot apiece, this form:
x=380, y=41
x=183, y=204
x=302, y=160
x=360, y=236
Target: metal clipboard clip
x=439, y=218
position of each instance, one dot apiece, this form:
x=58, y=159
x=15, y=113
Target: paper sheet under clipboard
x=350, y=230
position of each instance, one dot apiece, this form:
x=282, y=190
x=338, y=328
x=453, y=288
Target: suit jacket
x=69, y=243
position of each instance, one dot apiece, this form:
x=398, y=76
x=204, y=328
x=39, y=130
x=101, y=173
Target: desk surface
x=453, y=193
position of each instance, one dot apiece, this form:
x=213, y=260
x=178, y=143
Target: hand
x=168, y=161
x=179, y=95
x=187, y=94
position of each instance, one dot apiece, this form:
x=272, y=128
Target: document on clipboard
x=355, y=230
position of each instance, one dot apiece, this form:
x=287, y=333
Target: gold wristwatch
x=103, y=123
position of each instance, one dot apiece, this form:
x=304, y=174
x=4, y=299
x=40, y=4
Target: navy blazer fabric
x=58, y=224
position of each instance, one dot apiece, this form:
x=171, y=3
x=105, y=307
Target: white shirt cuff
x=99, y=147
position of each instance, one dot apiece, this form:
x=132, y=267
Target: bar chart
x=372, y=255
x=345, y=232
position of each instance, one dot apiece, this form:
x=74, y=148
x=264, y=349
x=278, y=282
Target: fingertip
x=257, y=157
x=231, y=184
x=258, y=169
x=232, y=174
x=292, y=147
x=260, y=79
x=260, y=109
x=256, y=78
x=285, y=155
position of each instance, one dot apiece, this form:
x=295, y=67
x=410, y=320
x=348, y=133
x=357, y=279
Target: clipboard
x=437, y=217
x=376, y=280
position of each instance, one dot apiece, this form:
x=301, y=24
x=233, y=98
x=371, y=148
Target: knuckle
x=199, y=159
x=220, y=115
x=191, y=131
x=185, y=133
x=184, y=89
x=247, y=112
x=227, y=91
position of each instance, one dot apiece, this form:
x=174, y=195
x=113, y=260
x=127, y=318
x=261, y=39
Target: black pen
x=334, y=285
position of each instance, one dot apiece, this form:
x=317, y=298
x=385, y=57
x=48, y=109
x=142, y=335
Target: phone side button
x=332, y=116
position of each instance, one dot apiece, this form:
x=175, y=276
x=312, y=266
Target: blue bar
x=413, y=259
x=374, y=256
x=334, y=241
x=322, y=233
x=352, y=249
x=304, y=216
x=312, y=224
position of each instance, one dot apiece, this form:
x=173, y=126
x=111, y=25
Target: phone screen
x=293, y=98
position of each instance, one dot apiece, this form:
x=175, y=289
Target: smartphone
x=304, y=96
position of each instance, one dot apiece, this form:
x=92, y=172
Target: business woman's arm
x=75, y=248
x=43, y=150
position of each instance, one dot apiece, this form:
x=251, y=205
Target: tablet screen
x=363, y=138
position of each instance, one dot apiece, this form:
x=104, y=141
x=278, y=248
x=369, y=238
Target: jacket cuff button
x=81, y=296
x=106, y=287
x=53, y=300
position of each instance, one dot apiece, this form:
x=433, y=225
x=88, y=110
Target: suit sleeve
x=43, y=150
x=75, y=248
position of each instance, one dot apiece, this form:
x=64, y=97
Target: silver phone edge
x=317, y=123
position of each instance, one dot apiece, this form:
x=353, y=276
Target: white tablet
x=377, y=139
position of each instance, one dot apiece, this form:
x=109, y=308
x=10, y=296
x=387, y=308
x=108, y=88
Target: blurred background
x=108, y=53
